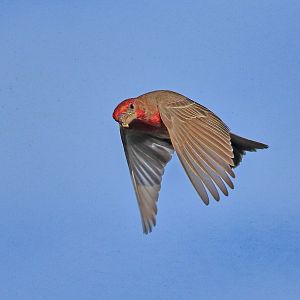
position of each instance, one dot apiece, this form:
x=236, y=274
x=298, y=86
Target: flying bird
x=154, y=125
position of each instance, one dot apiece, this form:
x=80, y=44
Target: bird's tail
x=240, y=145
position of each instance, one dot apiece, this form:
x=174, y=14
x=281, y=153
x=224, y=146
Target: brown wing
x=202, y=143
x=146, y=156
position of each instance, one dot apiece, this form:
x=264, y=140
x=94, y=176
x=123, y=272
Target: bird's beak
x=125, y=120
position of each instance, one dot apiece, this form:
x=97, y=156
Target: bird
x=155, y=125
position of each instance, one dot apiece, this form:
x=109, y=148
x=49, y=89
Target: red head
x=126, y=112
x=133, y=109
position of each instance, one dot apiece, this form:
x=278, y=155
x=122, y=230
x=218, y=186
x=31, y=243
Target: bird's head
x=133, y=109
x=127, y=111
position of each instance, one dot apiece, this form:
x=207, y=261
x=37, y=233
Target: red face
x=131, y=109
x=125, y=112
x=122, y=108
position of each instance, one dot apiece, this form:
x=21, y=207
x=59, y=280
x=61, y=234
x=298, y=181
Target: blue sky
x=70, y=226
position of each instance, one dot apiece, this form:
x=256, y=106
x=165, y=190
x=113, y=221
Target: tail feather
x=240, y=145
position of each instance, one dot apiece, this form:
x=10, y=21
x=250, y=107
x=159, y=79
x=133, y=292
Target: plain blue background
x=69, y=222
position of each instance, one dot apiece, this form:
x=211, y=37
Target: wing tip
x=148, y=225
x=149, y=229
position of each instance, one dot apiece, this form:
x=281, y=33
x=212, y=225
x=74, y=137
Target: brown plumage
x=155, y=124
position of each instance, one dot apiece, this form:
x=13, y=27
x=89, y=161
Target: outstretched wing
x=146, y=155
x=202, y=143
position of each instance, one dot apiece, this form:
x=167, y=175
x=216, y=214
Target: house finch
x=155, y=124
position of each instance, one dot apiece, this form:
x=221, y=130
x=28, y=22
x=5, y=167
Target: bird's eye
x=131, y=106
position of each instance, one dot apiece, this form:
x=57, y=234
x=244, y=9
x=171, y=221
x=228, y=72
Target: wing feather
x=147, y=156
x=198, y=169
x=202, y=143
x=209, y=171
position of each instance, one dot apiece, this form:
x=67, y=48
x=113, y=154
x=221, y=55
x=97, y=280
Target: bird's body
x=155, y=124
